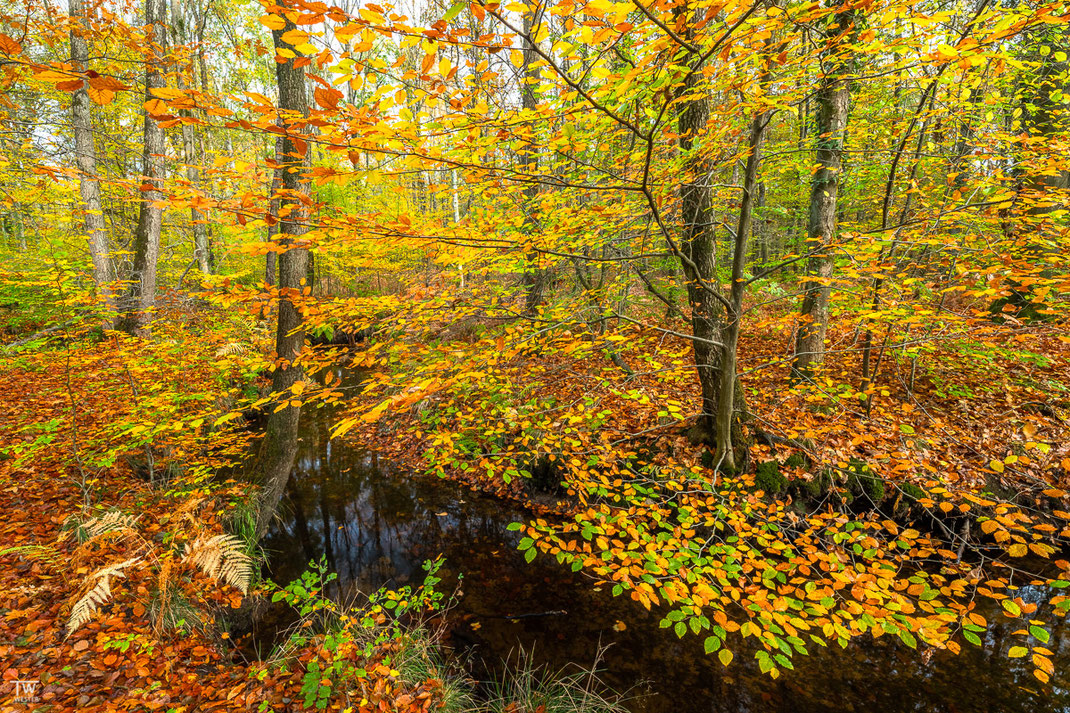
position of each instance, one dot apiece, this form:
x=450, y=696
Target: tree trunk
x=833, y=103
x=270, y=258
x=534, y=276
x=205, y=138
x=699, y=246
x=140, y=297
x=731, y=403
x=198, y=223
x=86, y=158
x=279, y=448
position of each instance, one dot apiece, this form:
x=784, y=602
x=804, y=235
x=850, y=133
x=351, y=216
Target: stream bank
x=376, y=524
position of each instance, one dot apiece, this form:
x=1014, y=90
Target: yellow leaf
x=295, y=37
x=947, y=52
x=273, y=22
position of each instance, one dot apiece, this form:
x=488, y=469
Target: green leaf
x=972, y=638
x=1040, y=633
x=454, y=11
x=711, y=644
x=1017, y=652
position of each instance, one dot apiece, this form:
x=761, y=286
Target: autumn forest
x=547, y=356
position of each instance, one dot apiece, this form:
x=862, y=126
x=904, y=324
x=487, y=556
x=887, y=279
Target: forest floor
x=51, y=477
x=987, y=412
x=990, y=412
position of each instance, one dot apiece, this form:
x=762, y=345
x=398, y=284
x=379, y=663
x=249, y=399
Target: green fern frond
x=42, y=553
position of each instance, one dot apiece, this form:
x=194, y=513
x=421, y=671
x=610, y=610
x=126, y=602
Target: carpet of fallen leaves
x=119, y=660
x=987, y=412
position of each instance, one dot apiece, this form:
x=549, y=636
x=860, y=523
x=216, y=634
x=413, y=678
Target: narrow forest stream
x=376, y=524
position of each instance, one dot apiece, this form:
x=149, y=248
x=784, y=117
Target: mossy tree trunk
x=833, y=103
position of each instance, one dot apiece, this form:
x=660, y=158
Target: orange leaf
x=273, y=22
x=101, y=96
x=8, y=45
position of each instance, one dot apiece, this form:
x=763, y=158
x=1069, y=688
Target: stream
x=376, y=524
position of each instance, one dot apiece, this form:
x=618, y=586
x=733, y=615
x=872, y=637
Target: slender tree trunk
x=205, y=138
x=833, y=102
x=699, y=244
x=279, y=448
x=86, y=158
x=140, y=298
x=189, y=152
x=534, y=276
x=731, y=402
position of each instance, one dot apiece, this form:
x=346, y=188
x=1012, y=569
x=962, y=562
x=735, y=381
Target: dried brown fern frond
x=111, y=521
x=163, y=585
x=98, y=591
x=223, y=558
x=103, y=532
x=188, y=511
x=94, y=527
x=231, y=349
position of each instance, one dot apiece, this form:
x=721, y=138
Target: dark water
x=376, y=525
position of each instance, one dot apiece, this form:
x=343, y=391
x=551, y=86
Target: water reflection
x=376, y=526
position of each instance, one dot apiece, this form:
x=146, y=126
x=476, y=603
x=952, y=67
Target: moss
x=911, y=492
x=818, y=486
x=795, y=460
x=769, y=478
x=863, y=481
x=873, y=487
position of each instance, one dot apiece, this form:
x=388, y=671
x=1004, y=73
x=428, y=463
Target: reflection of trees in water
x=373, y=527
x=377, y=528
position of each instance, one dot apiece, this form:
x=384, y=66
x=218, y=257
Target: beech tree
x=280, y=443
x=86, y=155
x=139, y=298
x=833, y=102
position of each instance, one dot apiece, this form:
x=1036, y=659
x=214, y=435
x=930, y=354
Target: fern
x=222, y=558
x=231, y=349
x=45, y=554
x=99, y=592
x=111, y=521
